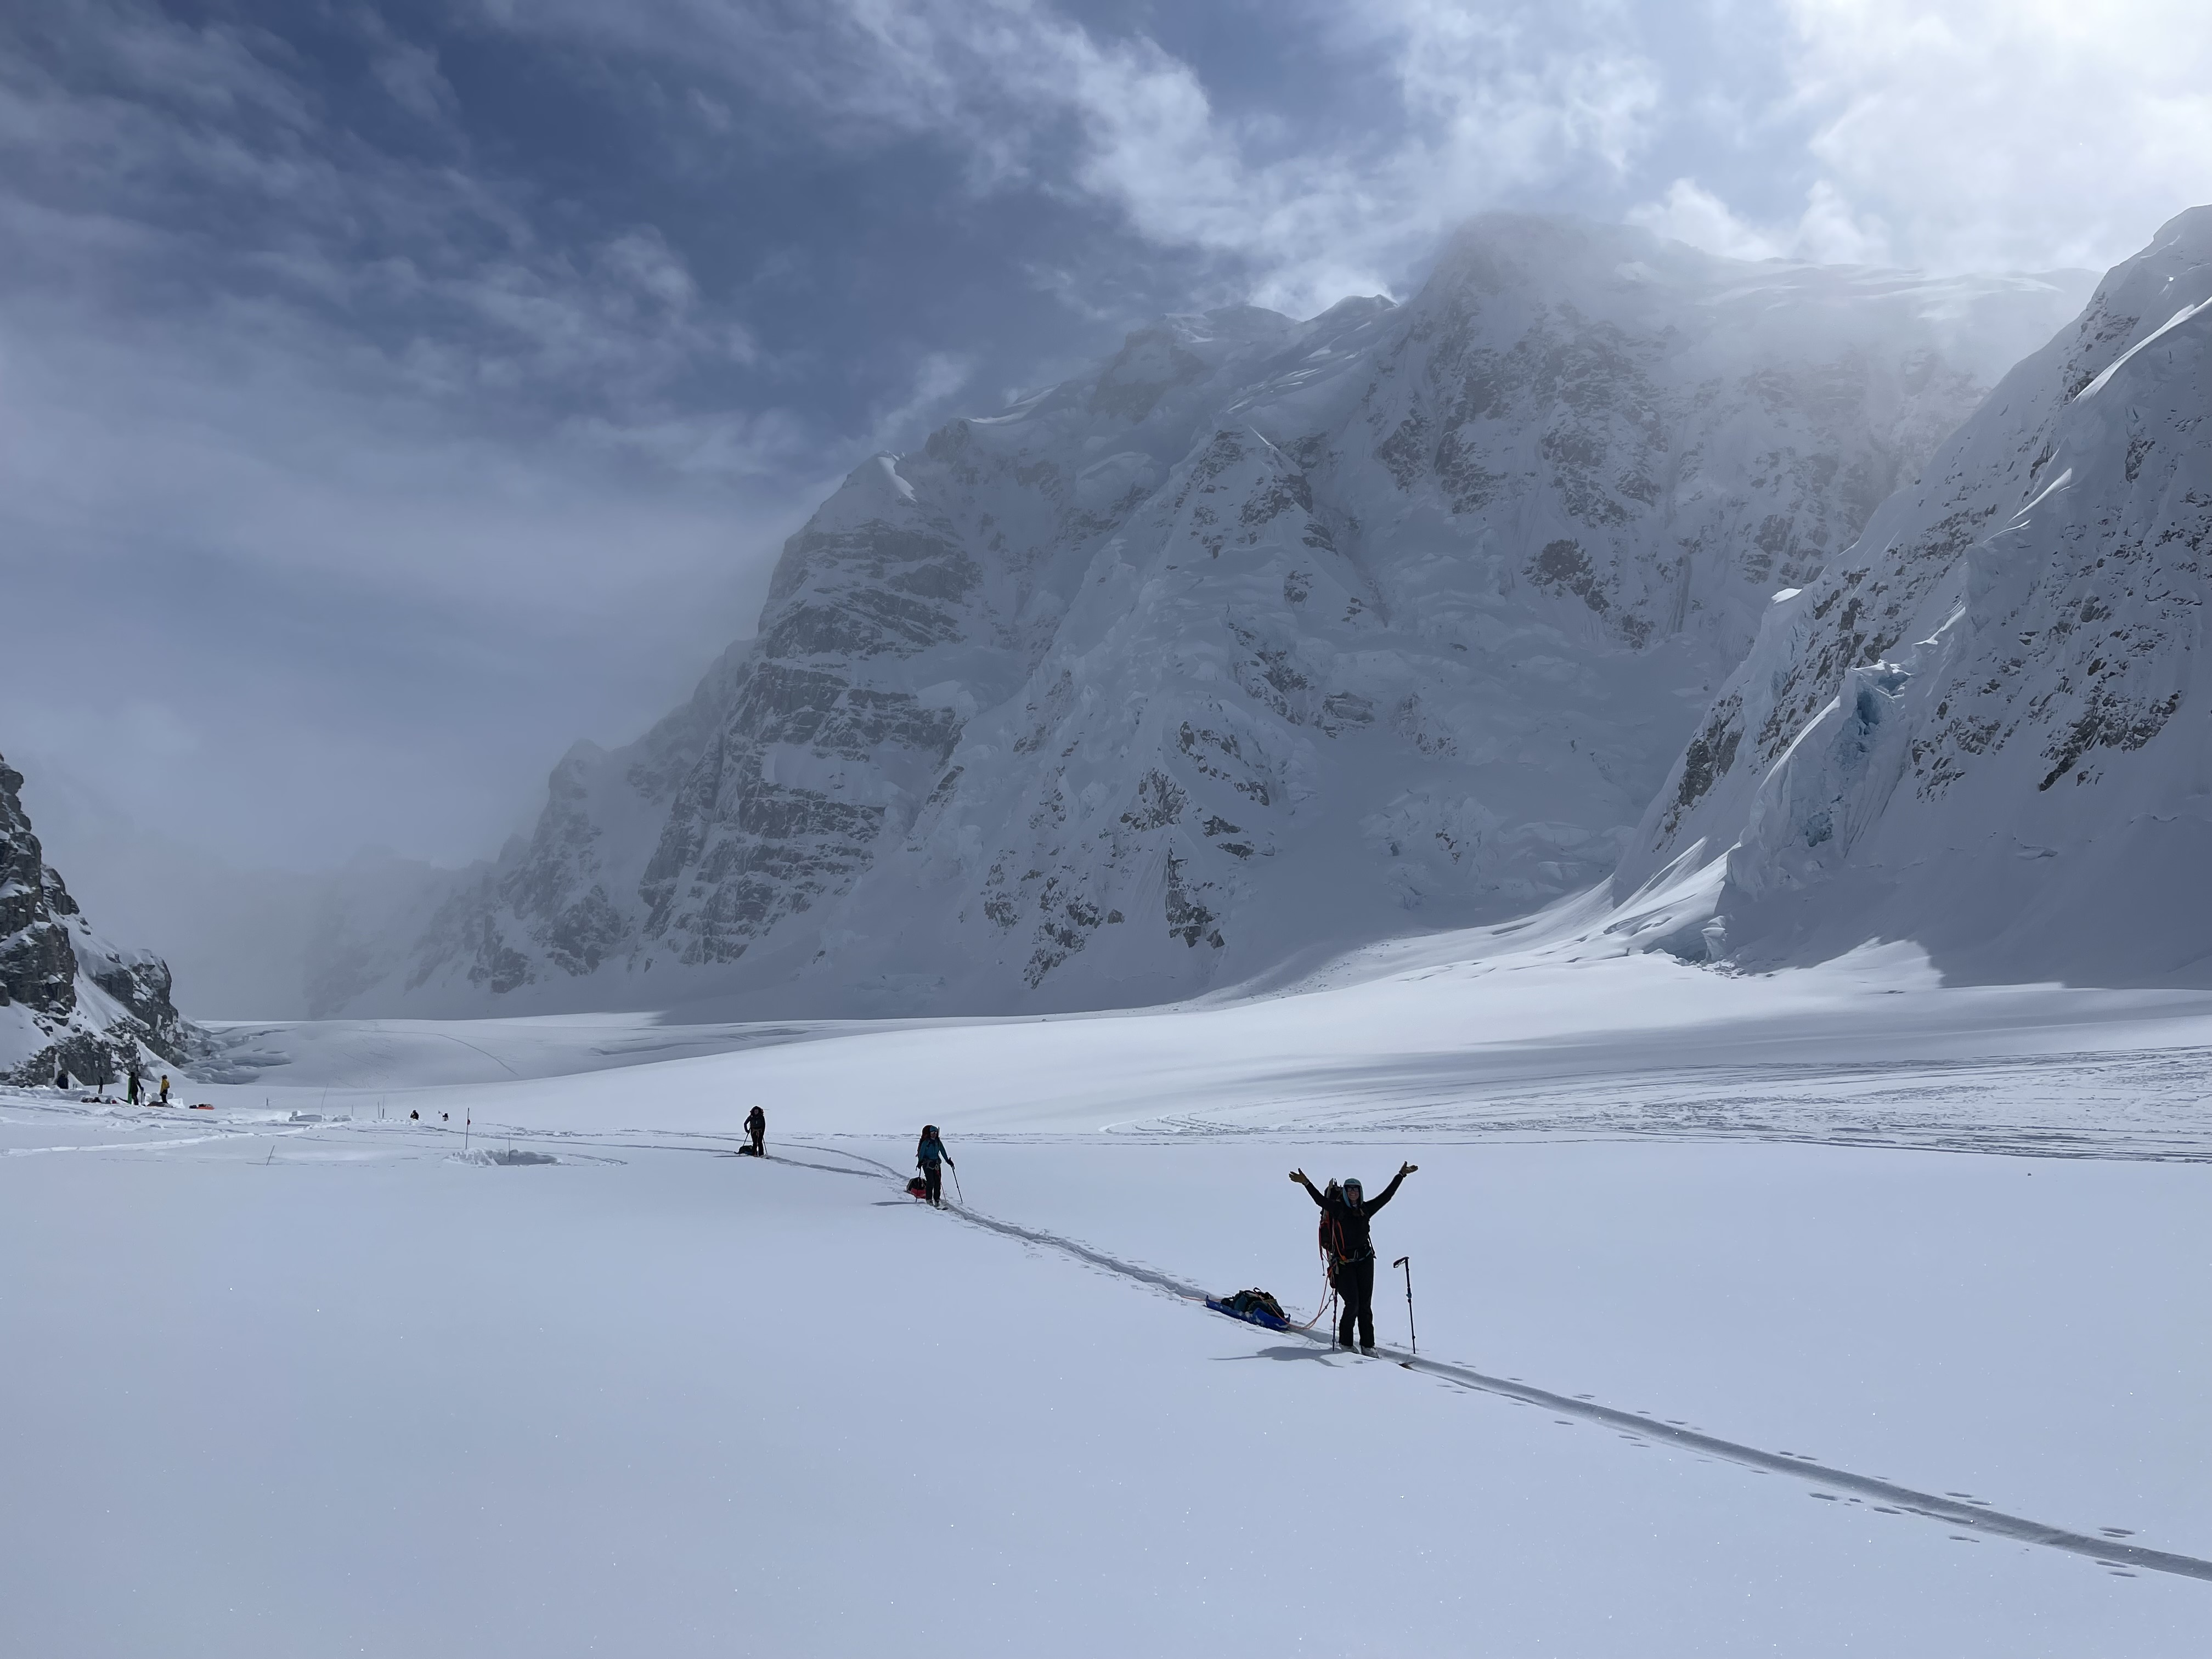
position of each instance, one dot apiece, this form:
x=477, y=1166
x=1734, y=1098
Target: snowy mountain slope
x=1268, y=636
x=1982, y=729
x=69, y=998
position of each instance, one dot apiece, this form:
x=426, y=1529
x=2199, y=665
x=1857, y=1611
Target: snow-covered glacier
x=1266, y=638
x=1981, y=728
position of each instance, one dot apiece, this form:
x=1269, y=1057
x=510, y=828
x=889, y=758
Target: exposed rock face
x=1268, y=637
x=37, y=969
x=1982, y=728
x=70, y=1001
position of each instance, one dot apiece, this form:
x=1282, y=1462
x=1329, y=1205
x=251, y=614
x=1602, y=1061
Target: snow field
x=302, y=1380
x=359, y=1397
x=2000, y=1327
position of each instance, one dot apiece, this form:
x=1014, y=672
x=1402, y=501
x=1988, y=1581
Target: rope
x=1328, y=1300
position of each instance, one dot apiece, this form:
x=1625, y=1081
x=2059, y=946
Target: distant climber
x=1352, y=1251
x=164, y=1089
x=414, y=1117
x=61, y=1079
x=756, y=1128
x=131, y=1078
x=929, y=1153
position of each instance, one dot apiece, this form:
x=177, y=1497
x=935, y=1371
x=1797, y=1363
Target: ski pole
x=1406, y=1263
x=956, y=1192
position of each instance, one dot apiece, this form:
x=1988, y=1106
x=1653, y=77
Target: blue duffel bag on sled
x=1254, y=1307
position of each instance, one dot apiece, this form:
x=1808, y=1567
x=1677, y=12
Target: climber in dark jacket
x=929, y=1153
x=1352, y=1251
x=757, y=1128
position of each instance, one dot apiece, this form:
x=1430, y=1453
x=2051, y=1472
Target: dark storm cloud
x=385, y=410
x=390, y=393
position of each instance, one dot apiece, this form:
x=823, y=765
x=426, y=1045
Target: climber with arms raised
x=1345, y=1216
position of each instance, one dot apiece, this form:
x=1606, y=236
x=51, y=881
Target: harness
x=1336, y=1237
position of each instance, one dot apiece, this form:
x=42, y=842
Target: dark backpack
x=1332, y=1238
x=1245, y=1304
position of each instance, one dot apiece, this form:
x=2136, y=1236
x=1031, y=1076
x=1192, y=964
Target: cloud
x=1960, y=134
x=1688, y=212
x=1827, y=232
x=1951, y=134
x=443, y=272
x=2011, y=132
x=1479, y=103
x=352, y=464
x=387, y=395
x=409, y=74
x=938, y=378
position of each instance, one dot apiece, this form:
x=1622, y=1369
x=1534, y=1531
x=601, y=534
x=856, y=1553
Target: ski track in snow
x=2165, y=1071
x=1909, y=1500
x=138, y=1145
x=1933, y=1506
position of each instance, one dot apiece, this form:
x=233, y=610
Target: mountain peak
x=1263, y=637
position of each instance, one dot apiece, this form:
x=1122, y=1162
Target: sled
x=1254, y=1307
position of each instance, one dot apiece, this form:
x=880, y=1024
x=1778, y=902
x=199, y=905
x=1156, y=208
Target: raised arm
x=1299, y=1176
x=1390, y=1191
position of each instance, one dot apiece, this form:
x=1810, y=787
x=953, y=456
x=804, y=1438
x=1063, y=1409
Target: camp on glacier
x=1664, y=787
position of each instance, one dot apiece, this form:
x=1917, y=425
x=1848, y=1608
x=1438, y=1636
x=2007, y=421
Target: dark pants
x=932, y=1181
x=760, y=1142
x=1355, y=1284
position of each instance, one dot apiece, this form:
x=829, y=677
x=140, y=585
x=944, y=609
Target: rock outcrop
x=69, y=1000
